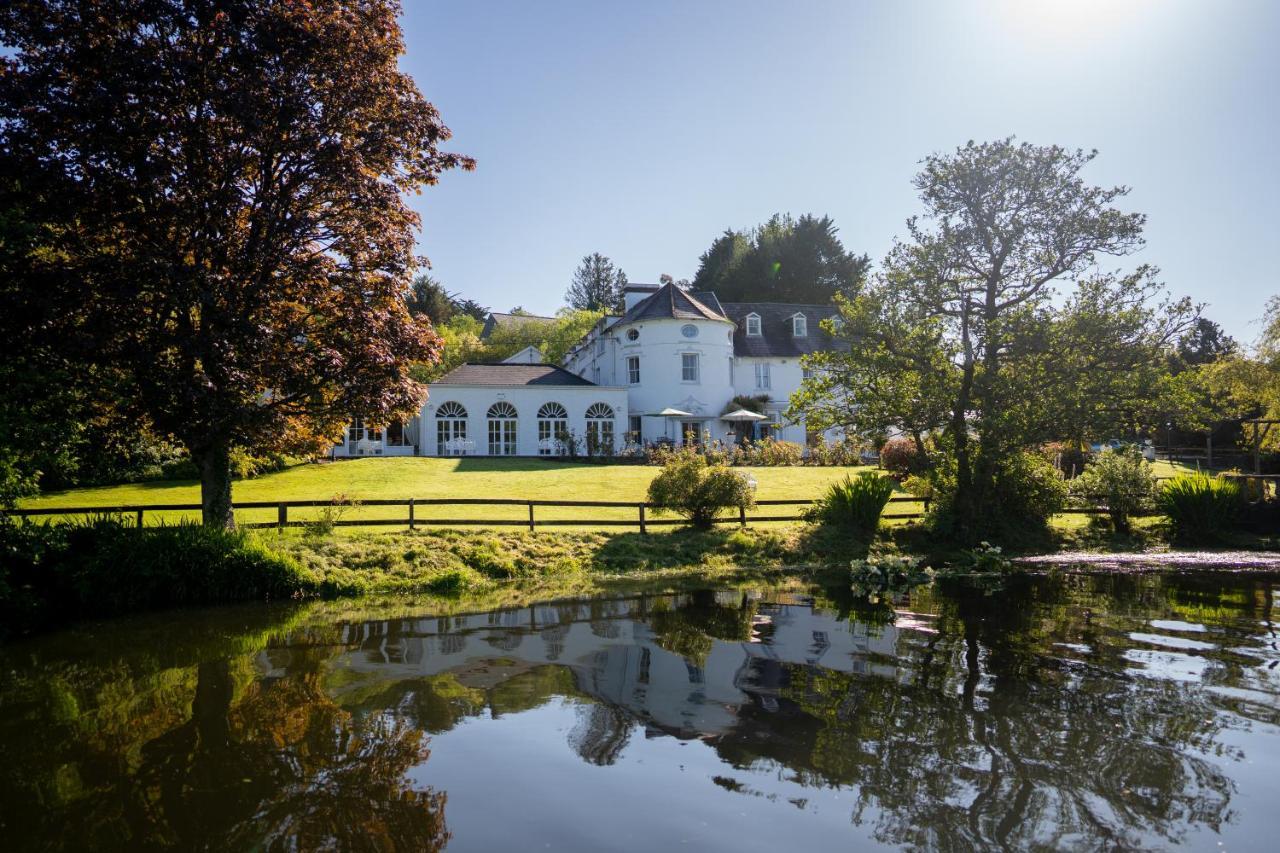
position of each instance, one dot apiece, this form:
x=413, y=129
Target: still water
x=1076, y=711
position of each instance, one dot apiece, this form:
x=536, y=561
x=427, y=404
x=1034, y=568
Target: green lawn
x=467, y=477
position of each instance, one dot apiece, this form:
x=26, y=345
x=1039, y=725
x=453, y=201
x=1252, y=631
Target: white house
x=688, y=354
x=667, y=369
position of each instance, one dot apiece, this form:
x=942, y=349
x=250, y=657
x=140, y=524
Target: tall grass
x=855, y=503
x=1200, y=508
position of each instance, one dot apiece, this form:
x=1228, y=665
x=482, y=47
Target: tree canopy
x=428, y=298
x=597, y=285
x=784, y=260
x=964, y=332
x=222, y=184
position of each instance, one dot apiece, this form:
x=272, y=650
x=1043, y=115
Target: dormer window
x=753, y=325
x=799, y=326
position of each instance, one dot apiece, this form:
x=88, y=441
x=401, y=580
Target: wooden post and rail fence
x=412, y=519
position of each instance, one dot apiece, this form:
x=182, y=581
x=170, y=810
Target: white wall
x=785, y=376
x=527, y=399
x=660, y=345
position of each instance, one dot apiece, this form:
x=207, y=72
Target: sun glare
x=1071, y=19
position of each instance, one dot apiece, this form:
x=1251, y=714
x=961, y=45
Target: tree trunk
x=215, y=485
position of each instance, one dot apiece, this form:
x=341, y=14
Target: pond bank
x=52, y=576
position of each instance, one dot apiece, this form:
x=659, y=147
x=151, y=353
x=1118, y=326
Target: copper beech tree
x=226, y=183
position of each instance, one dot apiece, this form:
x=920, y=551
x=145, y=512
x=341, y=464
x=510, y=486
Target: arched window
x=502, y=429
x=553, y=426
x=451, y=429
x=799, y=326
x=753, y=325
x=600, y=430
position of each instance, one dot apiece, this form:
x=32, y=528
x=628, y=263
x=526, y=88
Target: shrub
x=1027, y=492
x=901, y=458
x=691, y=488
x=1120, y=478
x=770, y=451
x=105, y=567
x=1200, y=508
x=855, y=503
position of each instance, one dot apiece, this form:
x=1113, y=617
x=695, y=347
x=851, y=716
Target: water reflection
x=1060, y=712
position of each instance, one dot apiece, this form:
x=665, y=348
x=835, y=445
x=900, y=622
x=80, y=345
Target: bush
x=901, y=458
x=770, y=451
x=1200, y=508
x=691, y=488
x=1027, y=492
x=842, y=452
x=855, y=503
x=1120, y=478
x=104, y=567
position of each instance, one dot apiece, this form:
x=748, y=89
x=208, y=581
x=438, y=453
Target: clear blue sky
x=642, y=130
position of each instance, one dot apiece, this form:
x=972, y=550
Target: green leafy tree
x=225, y=184
x=893, y=371
x=964, y=332
x=1247, y=385
x=784, y=260
x=597, y=285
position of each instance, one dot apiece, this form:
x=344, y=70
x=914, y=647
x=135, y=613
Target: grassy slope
x=406, y=477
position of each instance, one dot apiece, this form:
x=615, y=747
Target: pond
x=1063, y=711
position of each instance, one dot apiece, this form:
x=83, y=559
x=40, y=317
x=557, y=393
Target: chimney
x=634, y=294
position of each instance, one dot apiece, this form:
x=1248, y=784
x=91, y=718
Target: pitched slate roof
x=496, y=319
x=509, y=374
x=670, y=302
x=709, y=299
x=775, y=338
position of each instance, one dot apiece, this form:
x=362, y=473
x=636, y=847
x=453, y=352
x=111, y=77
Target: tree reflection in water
x=1055, y=712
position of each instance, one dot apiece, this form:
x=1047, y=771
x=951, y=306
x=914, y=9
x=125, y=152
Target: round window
x=689, y=330
x=633, y=334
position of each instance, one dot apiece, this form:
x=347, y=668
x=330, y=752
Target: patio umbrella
x=743, y=415
x=669, y=413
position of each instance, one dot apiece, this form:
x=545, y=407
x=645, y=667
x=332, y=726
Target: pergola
x=1261, y=427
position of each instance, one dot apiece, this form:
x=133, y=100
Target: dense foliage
x=784, y=260
x=697, y=490
x=855, y=503
x=222, y=191
x=104, y=567
x=597, y=285
x=964, y=335
x=1201, y=508
x=1121, y=480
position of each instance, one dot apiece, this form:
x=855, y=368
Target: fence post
x=411, y=516
x=139, y=518
x=282, y=515
x=742, y=516
x=643, y=529
x=530, y=516
x=926, y=506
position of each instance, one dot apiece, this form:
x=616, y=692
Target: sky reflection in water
x=1062, y=712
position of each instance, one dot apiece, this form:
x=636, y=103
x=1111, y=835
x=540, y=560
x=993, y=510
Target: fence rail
x=412, y=519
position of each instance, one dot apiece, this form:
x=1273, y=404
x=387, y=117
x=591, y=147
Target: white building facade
x=689, y=355
x=668, y=369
